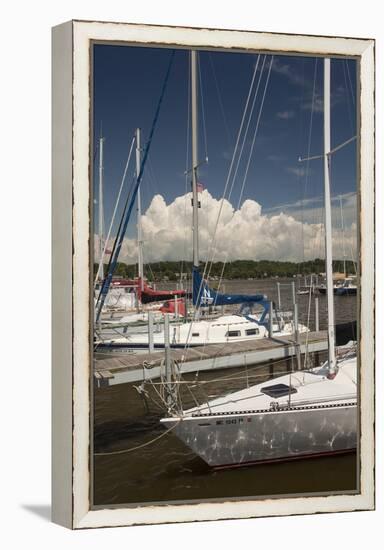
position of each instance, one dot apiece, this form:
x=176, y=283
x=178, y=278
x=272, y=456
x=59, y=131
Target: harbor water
x=128, y=470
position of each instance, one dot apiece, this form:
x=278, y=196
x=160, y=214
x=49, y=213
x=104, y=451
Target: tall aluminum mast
x=195, y=218
x=328, y=217
x=101, y=211
x=139, y=232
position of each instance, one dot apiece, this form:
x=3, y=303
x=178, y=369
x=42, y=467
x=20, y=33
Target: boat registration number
x=237, y=420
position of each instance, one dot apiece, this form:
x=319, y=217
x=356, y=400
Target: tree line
x=238, y=269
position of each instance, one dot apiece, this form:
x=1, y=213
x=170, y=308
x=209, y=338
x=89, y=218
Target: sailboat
x=225, y=328
x=345, y=286
x=348, y=287
x=298, y=415
x=127, y=294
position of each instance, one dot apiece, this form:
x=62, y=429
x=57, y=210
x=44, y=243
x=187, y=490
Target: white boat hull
x=256, y=437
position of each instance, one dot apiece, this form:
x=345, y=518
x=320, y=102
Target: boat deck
x=129, y=367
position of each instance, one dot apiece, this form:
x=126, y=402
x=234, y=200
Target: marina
x=304, y=413
x=224, y=376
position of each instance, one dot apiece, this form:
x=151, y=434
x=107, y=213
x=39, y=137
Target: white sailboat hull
x=298, y=415
x=223, y=330
x=249, y=438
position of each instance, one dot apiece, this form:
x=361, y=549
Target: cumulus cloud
x=246, y=233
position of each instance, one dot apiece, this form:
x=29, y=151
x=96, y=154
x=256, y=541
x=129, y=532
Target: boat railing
x=275, y=405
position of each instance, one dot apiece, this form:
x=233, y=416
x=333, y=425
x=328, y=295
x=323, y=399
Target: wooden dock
x=138, y=367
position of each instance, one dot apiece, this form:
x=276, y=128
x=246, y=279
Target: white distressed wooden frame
x=71, y=289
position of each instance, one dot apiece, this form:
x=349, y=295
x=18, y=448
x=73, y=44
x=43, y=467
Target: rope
x=119, y=239
x=123, y=451
x=115, y=210
x=220, y=100
x=310, y=133
x=231, y=165
x=250, y=153
x=256, y=131
x=248, y=124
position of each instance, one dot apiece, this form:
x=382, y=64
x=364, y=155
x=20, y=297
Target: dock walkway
x=138, y=367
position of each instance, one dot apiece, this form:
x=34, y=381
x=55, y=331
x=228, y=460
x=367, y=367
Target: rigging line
x=115, y=241
x=202, y=109
x=115, y=210
x=354, y=262
x=186, y=247
x=349, y=108
x=252, y=147
x=342, y=230
x=306, y=180
x=114, y=258
x=123, y=451
x=301, y=181
x=350, y=81
x=212, y=243
x=220, y=100
x=310, y=130
x=251, y=150
x=308, y=317
x=267, y=377
x=233, y=160
x=248, y=124
x=256, y=130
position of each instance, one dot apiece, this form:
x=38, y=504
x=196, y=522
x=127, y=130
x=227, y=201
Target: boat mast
x=195, y=203
x=343, y=235
x=328, y=218
x=101, y=212
x=139, y=232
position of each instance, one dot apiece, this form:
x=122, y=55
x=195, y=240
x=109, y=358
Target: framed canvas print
x=213, y=274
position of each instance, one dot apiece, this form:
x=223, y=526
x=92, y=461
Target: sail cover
x=148, y=294
x=204, y=296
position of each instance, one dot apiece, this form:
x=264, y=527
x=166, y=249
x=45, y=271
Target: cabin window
x=195, y=333
x=252, y=331
x=232, y=333
x=278, y=390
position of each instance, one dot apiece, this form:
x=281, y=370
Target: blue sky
x=127, y=83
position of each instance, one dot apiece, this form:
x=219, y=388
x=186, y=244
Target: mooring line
x=122, y=451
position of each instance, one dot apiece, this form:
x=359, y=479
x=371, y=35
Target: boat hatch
x=278, y=390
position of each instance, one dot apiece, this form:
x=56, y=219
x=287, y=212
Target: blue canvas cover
x=202, y=295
